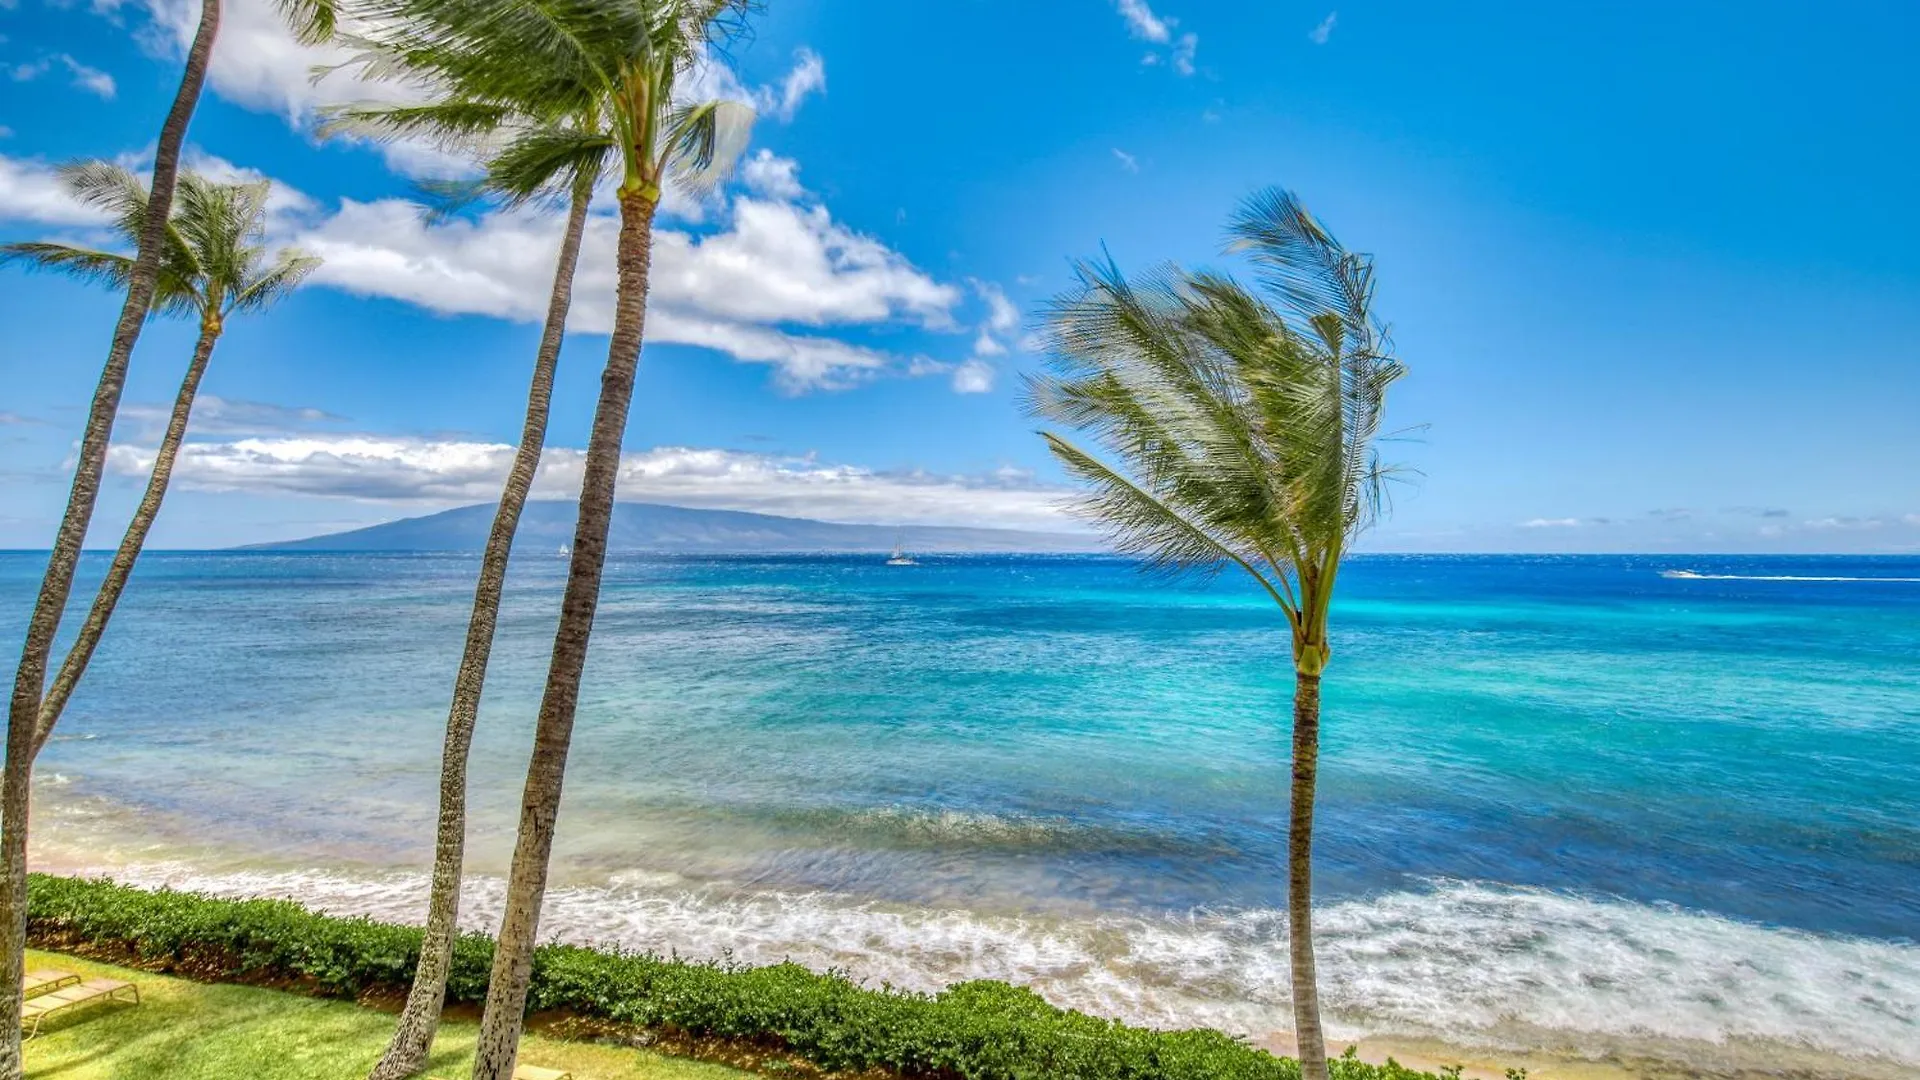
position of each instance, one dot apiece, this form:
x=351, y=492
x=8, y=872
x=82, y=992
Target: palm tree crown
x=1246, y=421
x=576, y=85
x=214, y=261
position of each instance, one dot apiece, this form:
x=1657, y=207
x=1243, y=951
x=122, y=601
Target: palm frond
x=455, y=124
x=705, y=141
x=268, y=287
x=106, y=268
x=547, y=161
x=1303, y=263
x=1142, y=524
x=111, y=188
x=1244, y=424
x=314, y=22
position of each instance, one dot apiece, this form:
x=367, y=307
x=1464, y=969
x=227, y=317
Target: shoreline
x=1546, y=1054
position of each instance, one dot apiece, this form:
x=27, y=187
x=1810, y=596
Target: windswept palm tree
x=313, y=22
x=520, y=165
x=1242, y=425
x=630, y=61
x=211, y=265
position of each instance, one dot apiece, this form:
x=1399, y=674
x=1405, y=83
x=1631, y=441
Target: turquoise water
x=1565, y=800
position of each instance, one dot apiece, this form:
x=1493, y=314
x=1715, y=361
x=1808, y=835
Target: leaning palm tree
x=520, y=164
x=213, y=266
x=313, y=21
x=626, y=60
x=1242, y=424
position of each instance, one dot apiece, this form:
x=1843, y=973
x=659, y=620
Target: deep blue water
x=1051, y=737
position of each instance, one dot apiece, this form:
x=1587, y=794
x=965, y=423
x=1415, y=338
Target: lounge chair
x=37, y=1009
x=46, y=979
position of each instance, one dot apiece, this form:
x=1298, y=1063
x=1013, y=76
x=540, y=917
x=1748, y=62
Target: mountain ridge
x=665, y=529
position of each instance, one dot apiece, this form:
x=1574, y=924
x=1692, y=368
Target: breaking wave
x=1466, y=962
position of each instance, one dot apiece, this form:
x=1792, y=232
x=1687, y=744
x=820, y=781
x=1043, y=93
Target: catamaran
x=900, y=557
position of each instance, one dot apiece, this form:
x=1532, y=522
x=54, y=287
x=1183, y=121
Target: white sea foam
x=1689, y=575
x=1462, y=961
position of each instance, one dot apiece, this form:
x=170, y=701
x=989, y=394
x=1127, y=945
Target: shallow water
x=1564, y=800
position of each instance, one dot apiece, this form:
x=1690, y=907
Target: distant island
x=654, y=527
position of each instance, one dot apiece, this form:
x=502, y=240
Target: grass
x=194, y=1031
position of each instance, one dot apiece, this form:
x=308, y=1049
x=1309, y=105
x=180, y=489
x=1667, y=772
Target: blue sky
x=1655, y=269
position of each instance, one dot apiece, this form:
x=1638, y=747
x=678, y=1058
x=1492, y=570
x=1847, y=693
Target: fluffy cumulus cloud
x=423, y=473
x=767, y=286
x=777, y=264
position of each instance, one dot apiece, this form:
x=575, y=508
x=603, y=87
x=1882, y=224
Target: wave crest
x=1467, y=962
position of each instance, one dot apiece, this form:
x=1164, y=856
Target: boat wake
x=1470, y=963
x=1689, y=575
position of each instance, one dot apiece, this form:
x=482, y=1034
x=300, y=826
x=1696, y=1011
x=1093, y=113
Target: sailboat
x=900, y=557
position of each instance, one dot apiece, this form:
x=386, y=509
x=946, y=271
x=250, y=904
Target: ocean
x=1565, y=803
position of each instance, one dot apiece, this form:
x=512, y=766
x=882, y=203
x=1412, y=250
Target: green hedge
x=971, y=1031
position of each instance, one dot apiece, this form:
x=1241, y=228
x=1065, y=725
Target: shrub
x=971, y=1031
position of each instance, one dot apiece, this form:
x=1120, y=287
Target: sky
x=1654, y=269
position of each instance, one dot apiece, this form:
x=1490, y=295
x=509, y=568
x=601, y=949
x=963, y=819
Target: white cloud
x=1551, y=523
x=1127, y=161
x=91, y=79
x=1002, y=319
x=1144, y=23
x=1912, y=519
x=422, y=473
x=1319, y=34
x=1183, y=51
x=1848, y=523
x=775, y=177
x=1158, y=30
x=973, y=376
x=31, y=191
x=809, y=75
x=777, y=263
x=1002, y=316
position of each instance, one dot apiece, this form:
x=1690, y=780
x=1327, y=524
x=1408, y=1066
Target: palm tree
x=313, y=21
x=625, y=60
x=1244, y=425
x=213, y=266
x=210, y=265
x=520, y=168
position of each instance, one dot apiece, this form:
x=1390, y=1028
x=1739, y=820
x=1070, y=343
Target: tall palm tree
x=313, y=21
x=629, y=60
x=519, y=166
x=211, y=265
x=1243, y=423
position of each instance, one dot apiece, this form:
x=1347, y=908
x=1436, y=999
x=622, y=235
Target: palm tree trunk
x=501, y=1023
x=134, y=541
x=1306, y=987
x=407, y=1053
x=23, y=713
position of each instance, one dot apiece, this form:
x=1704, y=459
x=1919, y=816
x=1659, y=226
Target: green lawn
x=190, y=1031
